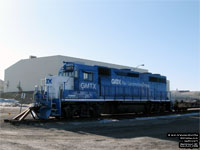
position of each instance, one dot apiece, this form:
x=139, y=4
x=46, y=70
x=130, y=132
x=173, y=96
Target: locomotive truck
x=89, y=91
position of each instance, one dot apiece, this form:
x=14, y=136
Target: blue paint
x=121, y=83
x=103, y=83
x=48, y=81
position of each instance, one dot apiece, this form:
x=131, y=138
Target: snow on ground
x=168, y=116
x=9, y=102
x=87, y=135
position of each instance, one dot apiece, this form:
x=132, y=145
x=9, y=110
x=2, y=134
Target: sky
x=162, y=34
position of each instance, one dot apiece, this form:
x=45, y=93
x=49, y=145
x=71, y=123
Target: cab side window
x=88, y=76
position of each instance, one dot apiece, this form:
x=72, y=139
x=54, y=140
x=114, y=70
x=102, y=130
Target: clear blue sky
x=162, y=34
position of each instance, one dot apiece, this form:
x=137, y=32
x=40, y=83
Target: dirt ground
x=126, y=134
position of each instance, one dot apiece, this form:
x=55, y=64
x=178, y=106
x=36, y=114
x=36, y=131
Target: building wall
x=168, y=85
x=28, y=72
x=1, y=86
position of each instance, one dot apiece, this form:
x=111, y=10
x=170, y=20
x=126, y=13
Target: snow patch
x=9, y=102
x=108, y=121
x=168, y=116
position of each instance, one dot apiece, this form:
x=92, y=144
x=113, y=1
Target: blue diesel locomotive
x=83, y=90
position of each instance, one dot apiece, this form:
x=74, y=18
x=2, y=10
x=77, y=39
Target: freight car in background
x=83, y=90
x=182, y=100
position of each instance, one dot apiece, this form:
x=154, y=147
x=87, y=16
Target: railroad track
x=102, y=117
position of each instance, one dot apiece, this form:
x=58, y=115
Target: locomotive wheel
x=67, y=112
x=84, y=111
x=147, y=108
x=160, y=108
x=163, y=108
x=157, y=108
x=95, y=111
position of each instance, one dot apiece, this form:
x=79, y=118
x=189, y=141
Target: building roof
x=79, y=60
x=27, y=73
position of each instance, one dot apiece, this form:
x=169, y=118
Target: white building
x=27, y=73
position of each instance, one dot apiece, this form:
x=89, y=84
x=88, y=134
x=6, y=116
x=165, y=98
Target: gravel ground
x=99, y=135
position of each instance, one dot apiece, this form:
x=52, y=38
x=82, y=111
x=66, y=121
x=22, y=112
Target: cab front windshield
x=70, y=74
x=69, y=71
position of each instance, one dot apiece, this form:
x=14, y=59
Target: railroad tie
x=19, y=115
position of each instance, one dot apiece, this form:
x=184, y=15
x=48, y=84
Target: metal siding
x=29, y=72
x=1, y=86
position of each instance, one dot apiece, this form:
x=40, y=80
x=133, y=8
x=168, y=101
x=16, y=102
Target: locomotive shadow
x=131, y=129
